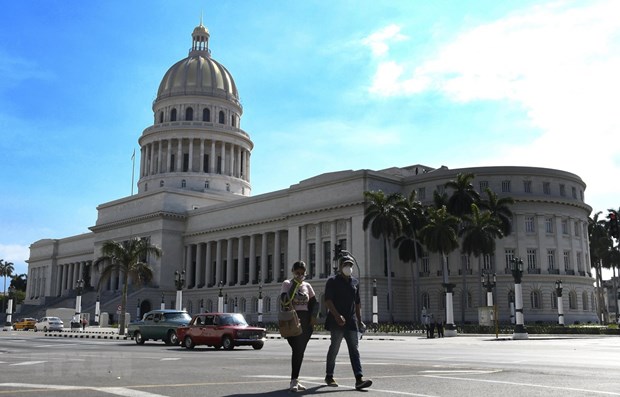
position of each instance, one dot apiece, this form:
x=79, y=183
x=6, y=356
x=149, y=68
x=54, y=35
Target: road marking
x=587, y=391
x=118, y=391
x=29, y=363
x=170, y=359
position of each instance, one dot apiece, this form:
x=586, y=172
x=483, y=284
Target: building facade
x=194, y=201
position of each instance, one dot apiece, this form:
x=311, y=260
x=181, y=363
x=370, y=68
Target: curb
x=87, y=336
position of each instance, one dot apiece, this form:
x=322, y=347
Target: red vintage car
x=225, y=330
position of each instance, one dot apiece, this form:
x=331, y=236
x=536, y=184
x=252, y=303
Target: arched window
x=209, y=306
x=242, y=305
x=593, y=302
x=426, y=300
x=535, y=299
x=183, y=183
x=206, y=184
x=572, y=300
x=233, y=120
x=161, y=183
x=584, y=297
x=221, y=120
x=161, y=117
x=190, y=307
x=554, y=300
x=206, y=114
x=267, y=304
x=254, y=304
x=173, y=115
x=189, y=114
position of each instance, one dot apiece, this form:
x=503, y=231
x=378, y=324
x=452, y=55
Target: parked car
x=25, y=323
x=225, y=330
x=49, y=324
x=159, y=325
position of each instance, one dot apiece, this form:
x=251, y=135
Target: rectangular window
x=577, y=229
x=565, y=230
x=579, y=262
x=488, y=262
x=426, y=268
x=483, y=186
x=326, y=258
x=567, y=260
x=219, y=164
x=562, y=190
x=546, y=187
x=505, y=186
x=531, y=258
x=172, y=163
x=549, y=225
x=421, y=193
x=311, y=258
x=573, y=192
x=551, y=259
x=529, y=224
x=185, y=162
x=527, y=186
x=509, y=253
x=343, y=243
x=205, y=165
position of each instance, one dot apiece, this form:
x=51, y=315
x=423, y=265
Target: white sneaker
x=294, y=385
x=300, y=387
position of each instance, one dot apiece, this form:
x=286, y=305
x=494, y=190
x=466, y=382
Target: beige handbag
x=288, y=321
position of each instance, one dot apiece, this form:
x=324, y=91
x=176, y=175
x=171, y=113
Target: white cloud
x=379, y=41
x=559, y=62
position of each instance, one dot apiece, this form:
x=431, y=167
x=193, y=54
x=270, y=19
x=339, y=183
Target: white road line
x=118, y=391
x=170, y=359
x=587, y=391
x=29, y=363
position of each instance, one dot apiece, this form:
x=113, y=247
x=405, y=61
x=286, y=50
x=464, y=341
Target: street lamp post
x=236, y=306
x=138, y=310
x=162, y=306
x=517, y=273
x=375, y=304
x=220, y=298
x=558, y=291
x=97, y=310
x=9, y=308
x=202, y=305
x=179, y=282
x=79, y=286
x=226, y=303
x=489, y=282
x=260, y=303
x=450, y=329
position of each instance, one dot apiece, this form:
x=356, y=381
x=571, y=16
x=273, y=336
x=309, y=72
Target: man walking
x=344, y=320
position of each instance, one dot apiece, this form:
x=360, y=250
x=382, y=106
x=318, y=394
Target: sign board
x=486, y=315
x=118, y=309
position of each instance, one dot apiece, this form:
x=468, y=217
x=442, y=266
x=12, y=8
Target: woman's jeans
x=350, y=336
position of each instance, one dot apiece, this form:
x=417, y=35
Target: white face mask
x=347, y=271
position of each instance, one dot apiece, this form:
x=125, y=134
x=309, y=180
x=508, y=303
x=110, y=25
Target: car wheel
x=227, y=343
x=258, y=346
x=138, y=338
x=188, y=342
x=171, y=338
x=45, y=329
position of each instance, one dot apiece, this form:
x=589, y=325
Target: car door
x=147, y=327
x=197, y=330
x=209, y=332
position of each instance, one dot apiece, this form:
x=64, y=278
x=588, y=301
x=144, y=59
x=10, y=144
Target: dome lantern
x=200, y=41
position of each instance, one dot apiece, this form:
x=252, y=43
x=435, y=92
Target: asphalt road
x=34, y=365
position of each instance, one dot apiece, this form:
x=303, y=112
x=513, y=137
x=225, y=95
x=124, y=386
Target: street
x=33, y=365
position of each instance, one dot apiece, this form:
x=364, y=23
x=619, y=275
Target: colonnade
x=204, y=155
x=69, y=273
x=36, y=282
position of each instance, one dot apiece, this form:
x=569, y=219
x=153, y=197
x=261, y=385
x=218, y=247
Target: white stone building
x=194, y=201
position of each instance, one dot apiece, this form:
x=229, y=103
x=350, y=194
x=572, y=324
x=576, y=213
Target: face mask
x=299, y=278
x=347, y=271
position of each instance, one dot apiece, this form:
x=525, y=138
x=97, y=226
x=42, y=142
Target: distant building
x=194, y=201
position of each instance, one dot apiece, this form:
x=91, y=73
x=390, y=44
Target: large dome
x=198, y=74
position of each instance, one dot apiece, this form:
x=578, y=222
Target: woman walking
x=298, y=295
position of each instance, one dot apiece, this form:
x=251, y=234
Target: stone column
x=303, y=244
x=223, y=154
x=190, y=166
x=202, y=156
x=332, y=241
x=200, y=265
x=232, y=160
x=263, y=258
x=209, y=263
x=318, y=249
x=252, y=258
x=179, y=166
x=212, y=169
x=190, y=280
x=159, y=150
x=218, y=262
x=240, y=279
x=230, y=273
x=277, y=265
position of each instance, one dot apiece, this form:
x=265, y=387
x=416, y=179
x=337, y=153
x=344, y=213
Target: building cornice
x=138, y=219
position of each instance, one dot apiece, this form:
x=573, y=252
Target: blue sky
x=326, y=86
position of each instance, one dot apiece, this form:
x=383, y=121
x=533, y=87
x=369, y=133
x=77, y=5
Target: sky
x=325, y=85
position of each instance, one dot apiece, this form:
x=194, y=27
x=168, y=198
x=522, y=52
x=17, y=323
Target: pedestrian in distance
x=440, y=328
x=300, y=295
x=433, y=326
x=344, y=320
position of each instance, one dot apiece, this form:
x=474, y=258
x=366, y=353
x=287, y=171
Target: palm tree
x=479, y=232
x=440, y=199
x=6, y=270
x=439, y=235
x=409, y=246
x=463, y=194
x=128, y=258
x=498, y=207
x=385, y=215
x=599, y=246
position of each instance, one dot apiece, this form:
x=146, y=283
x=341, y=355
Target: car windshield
x=232, y=319
x=53, y=319
x=178, y=317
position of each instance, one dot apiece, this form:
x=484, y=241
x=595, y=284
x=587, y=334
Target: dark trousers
x=298, y=343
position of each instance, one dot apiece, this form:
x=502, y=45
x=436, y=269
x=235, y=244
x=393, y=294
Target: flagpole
x=133, y=168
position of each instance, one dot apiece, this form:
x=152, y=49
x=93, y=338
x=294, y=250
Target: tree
x=440, y=236
x=385, y=215
x=129, y=259
x=498, y=207
x=6, y=270
x=600, y=243
x=463, y=194
x=408, y=243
